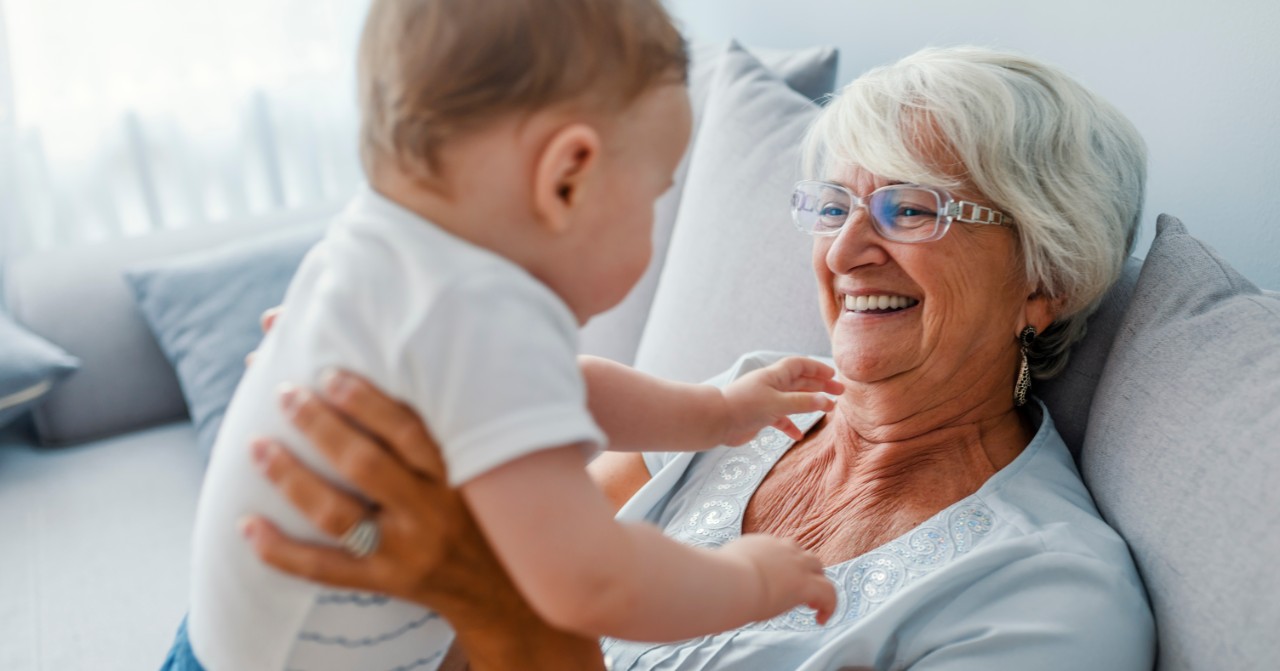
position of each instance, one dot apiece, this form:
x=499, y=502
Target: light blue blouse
x=1022, y=574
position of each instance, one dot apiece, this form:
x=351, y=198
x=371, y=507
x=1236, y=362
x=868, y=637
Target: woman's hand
x=267, y=320
x=430, y=552
x=765, y=397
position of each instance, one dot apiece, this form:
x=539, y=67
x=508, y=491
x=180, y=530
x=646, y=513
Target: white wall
x=1200, y=80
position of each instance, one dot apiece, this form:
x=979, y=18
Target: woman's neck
x=861, y=479
x=951, y=435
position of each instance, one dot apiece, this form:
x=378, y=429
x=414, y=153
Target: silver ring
x=362, y=539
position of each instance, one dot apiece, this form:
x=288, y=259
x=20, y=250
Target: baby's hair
x=431, y=69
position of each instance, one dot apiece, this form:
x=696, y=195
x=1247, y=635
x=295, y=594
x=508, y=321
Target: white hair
x=1067, y=166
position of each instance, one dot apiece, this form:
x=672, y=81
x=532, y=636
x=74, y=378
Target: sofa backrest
x=77, y=299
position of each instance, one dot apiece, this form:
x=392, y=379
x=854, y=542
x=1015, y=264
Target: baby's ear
x=563, y=169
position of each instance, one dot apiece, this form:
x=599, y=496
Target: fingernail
x=248, y=528
x=333, y=381
x=261, y=450
x=290, y=395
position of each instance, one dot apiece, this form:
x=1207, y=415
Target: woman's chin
x=866, y=351
x=865, y=365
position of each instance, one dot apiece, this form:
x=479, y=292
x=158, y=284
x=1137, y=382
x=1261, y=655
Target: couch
x=1171, y=404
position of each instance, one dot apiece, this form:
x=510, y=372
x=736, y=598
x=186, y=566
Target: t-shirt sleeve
x=492, y=367
x=1049, y=612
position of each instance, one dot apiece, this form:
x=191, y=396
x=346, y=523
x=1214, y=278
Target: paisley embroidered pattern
x=716, y=516
x=863, y=583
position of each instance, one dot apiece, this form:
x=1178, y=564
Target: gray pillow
x=1070, y=394
x=810, y=72
x=29, y=368
x=204, y=310
x=1182, y=452
x=737, y=276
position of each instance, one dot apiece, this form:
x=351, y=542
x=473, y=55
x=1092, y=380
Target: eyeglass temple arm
x=978, y=214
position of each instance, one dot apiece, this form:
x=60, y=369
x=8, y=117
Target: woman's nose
x=856, y=244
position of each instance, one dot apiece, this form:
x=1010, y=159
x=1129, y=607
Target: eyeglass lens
x=900, y=212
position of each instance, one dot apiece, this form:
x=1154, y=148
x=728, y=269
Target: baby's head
x=541, y=129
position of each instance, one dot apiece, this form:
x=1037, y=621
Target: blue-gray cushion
x=204, y=310
x=30, y=366
x=1182, y=452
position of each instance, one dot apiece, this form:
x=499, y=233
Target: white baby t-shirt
x=482, y=350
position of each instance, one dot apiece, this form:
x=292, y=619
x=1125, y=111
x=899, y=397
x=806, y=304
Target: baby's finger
x=798, y=402
x=317, y=563
x=833, y=387
x=789, y=428
x=805, y=383
x=329, y=509
x=806, y=367
x=823, y=599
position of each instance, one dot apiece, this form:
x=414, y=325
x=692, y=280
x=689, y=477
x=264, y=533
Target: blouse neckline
x=714, y=515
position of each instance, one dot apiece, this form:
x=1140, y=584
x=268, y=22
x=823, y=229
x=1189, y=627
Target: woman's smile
x=866, y=304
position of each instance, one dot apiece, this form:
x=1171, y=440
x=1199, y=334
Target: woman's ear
x=1042, y=309
x=563, y=173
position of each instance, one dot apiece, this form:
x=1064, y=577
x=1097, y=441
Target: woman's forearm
x=641, y=412
x=535, y=645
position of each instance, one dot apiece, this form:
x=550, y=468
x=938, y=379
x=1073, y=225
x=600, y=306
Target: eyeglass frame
x=949, y=211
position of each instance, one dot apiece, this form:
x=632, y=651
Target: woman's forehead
x=862, y=181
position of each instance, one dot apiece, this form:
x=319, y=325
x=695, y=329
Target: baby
x=513, y=151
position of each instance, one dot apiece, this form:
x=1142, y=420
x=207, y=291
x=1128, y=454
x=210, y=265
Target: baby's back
x=349, y=305
x=484, y=352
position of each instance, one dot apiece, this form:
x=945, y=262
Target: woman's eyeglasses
x=900, y=212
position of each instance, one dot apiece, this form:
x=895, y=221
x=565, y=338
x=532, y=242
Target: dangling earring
x=1023, y=385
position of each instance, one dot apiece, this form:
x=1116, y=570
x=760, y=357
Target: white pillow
x=811, y=72
x=737, y=276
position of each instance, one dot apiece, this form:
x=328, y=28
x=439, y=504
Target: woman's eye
x=832, y=211
x=914, y=212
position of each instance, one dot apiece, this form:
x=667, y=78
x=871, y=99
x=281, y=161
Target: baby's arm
x=642, y=412
x=586, y=573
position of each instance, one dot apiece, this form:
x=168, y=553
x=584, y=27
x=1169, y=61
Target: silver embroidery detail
x=863, y=583
x=717, y=513
x=870, y=580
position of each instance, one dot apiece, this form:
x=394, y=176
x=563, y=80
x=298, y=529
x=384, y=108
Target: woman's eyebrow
x=847, y=186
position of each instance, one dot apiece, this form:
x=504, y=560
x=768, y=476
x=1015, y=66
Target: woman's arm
x=431, y=551
x=619, y=475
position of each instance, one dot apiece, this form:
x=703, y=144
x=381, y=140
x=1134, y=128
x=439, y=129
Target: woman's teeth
x=877, y=303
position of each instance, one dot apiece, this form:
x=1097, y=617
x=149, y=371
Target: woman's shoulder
x=1043, y=518
x=1040, y=608
x=1042, y=567
x=1042, y=495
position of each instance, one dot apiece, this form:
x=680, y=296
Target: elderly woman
x=969, y=209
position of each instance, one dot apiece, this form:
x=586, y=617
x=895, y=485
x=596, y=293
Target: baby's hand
x=765, y=397
x=788, y=575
